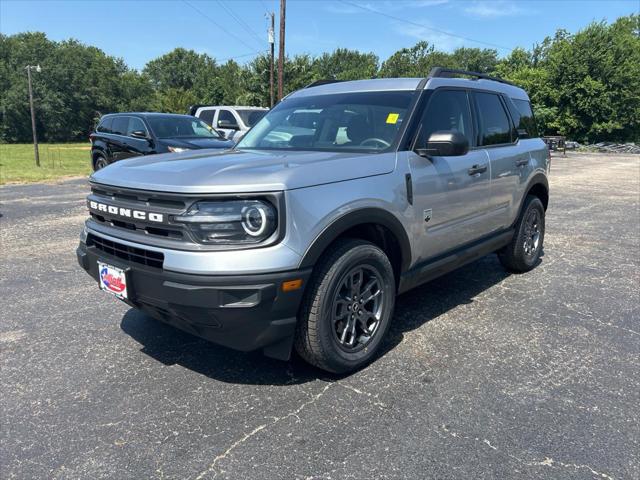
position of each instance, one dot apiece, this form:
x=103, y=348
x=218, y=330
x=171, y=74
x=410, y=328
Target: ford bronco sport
x=343, y=196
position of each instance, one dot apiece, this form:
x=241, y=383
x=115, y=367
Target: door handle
x=522, y=163
x=477, y=169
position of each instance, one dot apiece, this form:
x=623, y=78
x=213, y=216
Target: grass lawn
x=17, y=163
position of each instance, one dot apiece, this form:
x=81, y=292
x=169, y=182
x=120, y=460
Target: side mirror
x=445, y=143
x=139, y=134
x=228, y=124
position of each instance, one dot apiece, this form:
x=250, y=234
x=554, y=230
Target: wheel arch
x=538, y=186
x=373, y=224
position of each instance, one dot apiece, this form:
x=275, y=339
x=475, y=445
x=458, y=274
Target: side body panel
x=510, y=165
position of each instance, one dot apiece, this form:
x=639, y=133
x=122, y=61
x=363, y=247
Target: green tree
x=77, y=83
x=416, y=61
x=483, y=60
x=345, y=64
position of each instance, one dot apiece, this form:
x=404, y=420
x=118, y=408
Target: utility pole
x=272, y=42
x=33, y=114
x=283, y=7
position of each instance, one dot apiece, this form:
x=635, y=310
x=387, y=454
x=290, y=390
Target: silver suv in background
x=344, y=195
x=233, y=122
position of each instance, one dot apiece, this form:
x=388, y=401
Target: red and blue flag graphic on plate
x=113, y=280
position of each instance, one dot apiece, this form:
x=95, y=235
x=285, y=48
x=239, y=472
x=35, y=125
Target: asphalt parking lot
x=485, y=375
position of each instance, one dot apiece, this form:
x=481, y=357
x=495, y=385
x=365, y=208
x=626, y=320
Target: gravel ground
x=485, y=374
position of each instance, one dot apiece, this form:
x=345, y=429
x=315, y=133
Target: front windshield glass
x=171, y=126
x=251, y=117
x=363, y=121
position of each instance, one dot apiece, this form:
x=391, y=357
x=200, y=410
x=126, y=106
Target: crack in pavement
x=247, y=436
x=547, y=462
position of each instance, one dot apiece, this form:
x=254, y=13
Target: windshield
x=251, y=117
x=171, y=126
x=363, y=121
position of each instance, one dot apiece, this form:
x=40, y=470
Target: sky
x=139, y=31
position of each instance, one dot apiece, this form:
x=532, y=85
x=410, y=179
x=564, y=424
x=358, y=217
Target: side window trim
x=476, y=121
x=512, y=123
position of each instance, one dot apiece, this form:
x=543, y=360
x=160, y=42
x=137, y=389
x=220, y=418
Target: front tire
x=523, y=253
x=99, y=162
x=347, y=307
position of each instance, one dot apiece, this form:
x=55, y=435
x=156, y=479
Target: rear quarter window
x=524, y=119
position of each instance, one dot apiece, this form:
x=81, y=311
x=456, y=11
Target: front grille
x=164, y=231
x=125, y=252
x=167, y=204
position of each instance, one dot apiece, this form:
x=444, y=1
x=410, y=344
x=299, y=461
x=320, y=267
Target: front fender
x=352, y=219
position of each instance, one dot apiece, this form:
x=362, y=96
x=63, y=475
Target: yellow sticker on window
x=392, y=118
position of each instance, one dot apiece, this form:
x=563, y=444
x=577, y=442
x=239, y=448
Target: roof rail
x=317, y=83
x=450, y=72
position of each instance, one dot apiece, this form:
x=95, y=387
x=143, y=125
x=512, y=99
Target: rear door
x=451, y=194
x=508, y=156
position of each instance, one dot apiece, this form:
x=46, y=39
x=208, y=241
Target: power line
x=222, y=60
x=373, y=10
x=218, y=25
x=241, y=22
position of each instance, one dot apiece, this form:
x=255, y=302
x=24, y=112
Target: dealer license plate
x=112, y=280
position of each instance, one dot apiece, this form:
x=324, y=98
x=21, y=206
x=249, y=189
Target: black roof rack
x=450, y=72
x=317, y=83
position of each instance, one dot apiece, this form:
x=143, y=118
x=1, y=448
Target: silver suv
x=343, y=196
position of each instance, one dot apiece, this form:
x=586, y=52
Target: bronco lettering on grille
x=126, y=212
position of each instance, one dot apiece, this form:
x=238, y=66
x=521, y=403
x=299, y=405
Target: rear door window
x=495, y=128
x=120, y=125
x=207, y=116
x=448, y=110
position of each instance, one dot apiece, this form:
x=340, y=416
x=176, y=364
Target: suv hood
x=196, y=142
x=240, y=171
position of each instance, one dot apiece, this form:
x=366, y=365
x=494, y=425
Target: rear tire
x=347, y=307
x=99, y=162
x=523, y=253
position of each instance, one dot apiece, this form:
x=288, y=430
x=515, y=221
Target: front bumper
x=243, y=312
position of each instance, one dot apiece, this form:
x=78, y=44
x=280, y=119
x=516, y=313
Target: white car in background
x=232, y=121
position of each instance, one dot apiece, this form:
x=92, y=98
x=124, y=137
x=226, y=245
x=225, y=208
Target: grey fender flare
x=536, y=179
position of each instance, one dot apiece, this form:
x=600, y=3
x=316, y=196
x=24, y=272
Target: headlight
x=177, y=149
x=231, y=221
